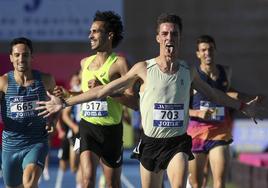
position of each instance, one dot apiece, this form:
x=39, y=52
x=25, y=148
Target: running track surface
x=130, y=177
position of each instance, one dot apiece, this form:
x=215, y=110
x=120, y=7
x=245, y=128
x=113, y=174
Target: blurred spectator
x=69, y=134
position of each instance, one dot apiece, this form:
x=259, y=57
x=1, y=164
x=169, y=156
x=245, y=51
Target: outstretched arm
x=244, y=96
x=251, y=109
x=55, y=104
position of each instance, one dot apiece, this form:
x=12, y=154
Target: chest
x=177, y=84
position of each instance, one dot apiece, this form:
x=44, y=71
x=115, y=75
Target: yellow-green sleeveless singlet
x=103, y=112
x=164, y=103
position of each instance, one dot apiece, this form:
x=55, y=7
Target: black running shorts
x=156, y=153
x=105, y=141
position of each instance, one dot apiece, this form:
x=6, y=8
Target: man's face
x=205, y=53
x=168, y=37
x=21, y=57
x=98, y=36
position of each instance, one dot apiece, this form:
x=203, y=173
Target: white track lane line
x=126, y=182
x=59, y=178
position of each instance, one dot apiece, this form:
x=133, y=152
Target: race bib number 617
x=95, y=109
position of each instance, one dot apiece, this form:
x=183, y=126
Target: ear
x=197, y=54
x=157, y=38
x=11, y=58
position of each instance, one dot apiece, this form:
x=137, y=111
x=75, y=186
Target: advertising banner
x=51, y=20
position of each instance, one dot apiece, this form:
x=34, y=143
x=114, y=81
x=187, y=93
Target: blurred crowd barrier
x=249, y=167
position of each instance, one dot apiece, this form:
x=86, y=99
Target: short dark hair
x=112, y=23
x=21, y=40
x=169, y=18
x=205, y=39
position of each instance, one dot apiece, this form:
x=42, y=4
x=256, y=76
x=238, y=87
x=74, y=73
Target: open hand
x=50, y=107
x=254, y=109
x=206, y=114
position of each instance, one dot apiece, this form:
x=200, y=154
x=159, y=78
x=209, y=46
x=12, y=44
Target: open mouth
x=170, y=47
x=208, y=59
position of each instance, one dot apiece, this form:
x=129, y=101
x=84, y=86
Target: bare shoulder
x=82, y=62
x=3, y=83
x=121, y=63
x=121, y=60
x=141, y=66
x=119, y=67
x=139, y=69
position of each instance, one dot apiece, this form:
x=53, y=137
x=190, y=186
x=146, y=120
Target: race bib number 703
x=168, y=115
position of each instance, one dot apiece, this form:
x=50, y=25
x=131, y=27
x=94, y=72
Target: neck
x=210, y=70
x=104, y=53
x=23, y=78
x=101, y=57
x=167, y=66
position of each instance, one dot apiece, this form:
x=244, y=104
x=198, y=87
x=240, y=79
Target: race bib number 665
x=23, y=106
x=168, y=115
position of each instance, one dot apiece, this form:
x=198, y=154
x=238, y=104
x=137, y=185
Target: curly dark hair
x=21, y=40
x=113, y=24
x=169, y=18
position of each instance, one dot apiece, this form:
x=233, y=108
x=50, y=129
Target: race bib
x=168, y=115
x=219, y=111
x=23, y=106
x=95, y=109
